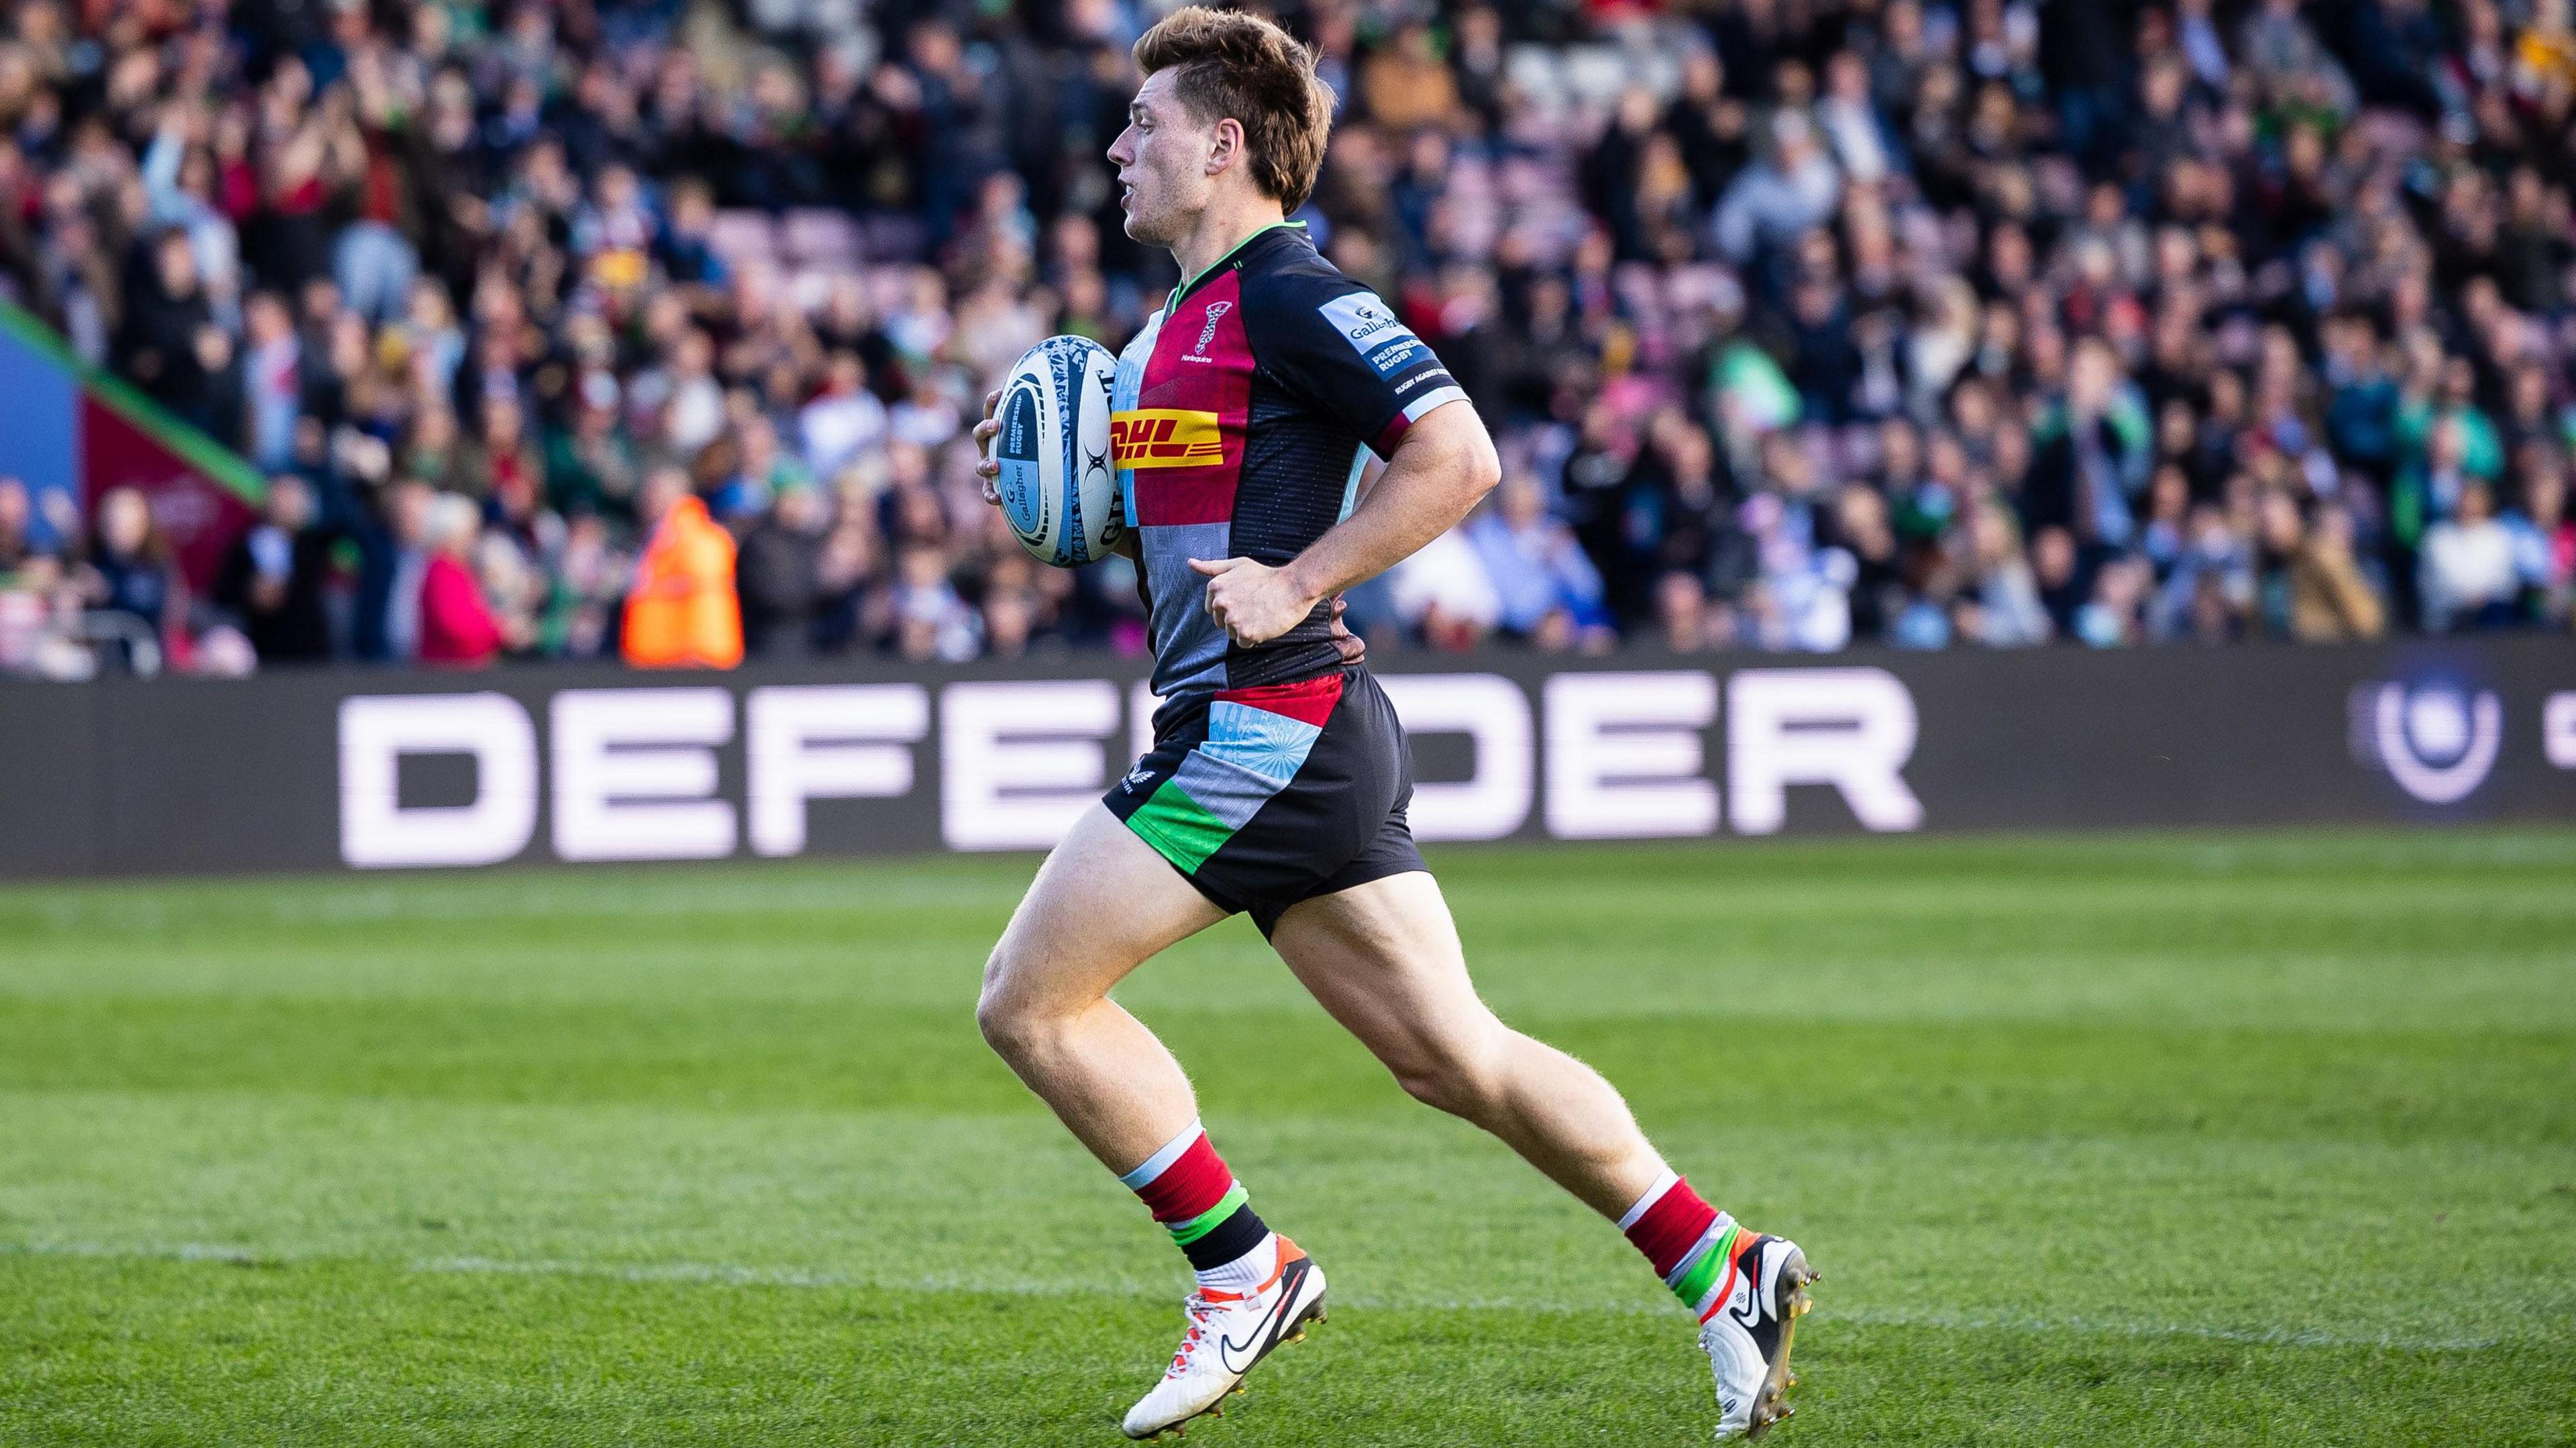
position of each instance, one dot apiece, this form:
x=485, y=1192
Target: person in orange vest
x=682, y=612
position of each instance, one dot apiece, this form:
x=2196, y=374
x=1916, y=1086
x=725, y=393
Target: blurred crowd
x=571, y=328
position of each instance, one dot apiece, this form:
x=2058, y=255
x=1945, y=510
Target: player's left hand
x=1253, y=602
x=988, y=469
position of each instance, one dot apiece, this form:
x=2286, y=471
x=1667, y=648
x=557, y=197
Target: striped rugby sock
x=1189, y=1190
x=1691, y=1243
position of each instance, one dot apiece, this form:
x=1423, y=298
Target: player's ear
x=1227, y=145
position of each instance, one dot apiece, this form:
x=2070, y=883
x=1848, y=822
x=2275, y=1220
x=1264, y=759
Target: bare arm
x=1445, y=464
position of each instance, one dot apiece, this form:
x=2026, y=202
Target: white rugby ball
x=1059, y=487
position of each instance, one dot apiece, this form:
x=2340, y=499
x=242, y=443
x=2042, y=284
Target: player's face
x=1162, y=160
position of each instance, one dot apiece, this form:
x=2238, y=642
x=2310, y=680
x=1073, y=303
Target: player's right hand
x=986, y=468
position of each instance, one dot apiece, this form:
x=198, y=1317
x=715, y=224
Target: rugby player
x=1243, y=416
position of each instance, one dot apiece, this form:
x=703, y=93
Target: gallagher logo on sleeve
x=1367, y=325
x=1162, y=437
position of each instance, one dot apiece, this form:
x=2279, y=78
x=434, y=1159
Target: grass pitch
x=2206, y=1139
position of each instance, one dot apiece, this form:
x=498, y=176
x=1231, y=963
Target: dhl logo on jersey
x=1161, y=437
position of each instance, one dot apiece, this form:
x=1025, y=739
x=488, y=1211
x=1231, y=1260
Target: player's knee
x=1010, y=1023
x=1013, y=1030
x=993, y=1020
x=1463, y=1078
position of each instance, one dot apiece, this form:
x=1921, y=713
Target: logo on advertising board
x=2437, y=739
x=637, y=773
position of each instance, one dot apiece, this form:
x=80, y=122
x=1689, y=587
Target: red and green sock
x=1189, y=1189
x=1692, y=1244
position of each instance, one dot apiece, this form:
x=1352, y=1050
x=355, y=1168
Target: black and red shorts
x=1266, y=796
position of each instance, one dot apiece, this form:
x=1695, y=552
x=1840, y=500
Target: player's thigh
x=1383, y=959
x=1101, y=905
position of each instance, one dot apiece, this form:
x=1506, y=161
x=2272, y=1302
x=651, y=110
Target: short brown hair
x=1227, y=63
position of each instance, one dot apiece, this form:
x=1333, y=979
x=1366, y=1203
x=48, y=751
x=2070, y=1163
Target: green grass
x=2147, y=1140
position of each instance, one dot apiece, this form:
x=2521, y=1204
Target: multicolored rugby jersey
x=1243, y=415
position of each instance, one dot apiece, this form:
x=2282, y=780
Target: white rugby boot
x=1747, y=1330
x=1227, y=1334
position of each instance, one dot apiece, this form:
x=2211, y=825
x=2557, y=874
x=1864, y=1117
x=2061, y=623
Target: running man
x=1279, y=777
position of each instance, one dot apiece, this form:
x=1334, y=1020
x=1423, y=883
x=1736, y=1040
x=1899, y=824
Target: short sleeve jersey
x=1242, y=418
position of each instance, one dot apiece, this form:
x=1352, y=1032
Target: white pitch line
x=2116, y=1327
x=623, y=898
x=737, y=1275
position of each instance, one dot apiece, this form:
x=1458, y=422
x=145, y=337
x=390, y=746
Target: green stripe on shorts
x=1179, y=827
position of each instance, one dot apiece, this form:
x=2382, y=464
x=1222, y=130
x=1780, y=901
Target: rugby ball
x=1058, y=486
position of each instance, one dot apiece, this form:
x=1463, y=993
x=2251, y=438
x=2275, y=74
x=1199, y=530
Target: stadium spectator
x=390, y=603
x=17, y=526
x=844, y=421
x=2471, y=577
x=1547, y=591
x=132, y=584
x=457, y=628
x=2329, y=599
x=2545, y=539
x=273, y=576
x=1924, y=324
x=1445, y=594
x=38, y=604
x=1789, y=192
x=683, y=611
x=780, y=575
x=2003, y=609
